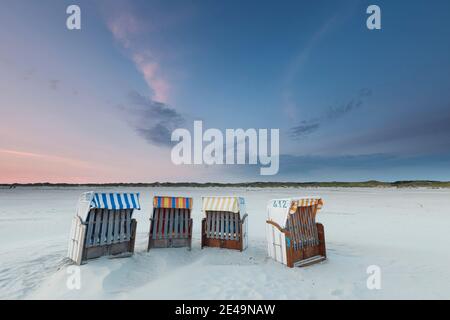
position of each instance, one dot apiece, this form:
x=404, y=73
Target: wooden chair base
x=171, y=240
x=112, y=249
x=224, y=244
x=309, y=255
x=309, y=261
x=169, y=243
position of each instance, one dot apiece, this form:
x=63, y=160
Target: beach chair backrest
x=293, y=236
x=106, y=226
x=223, y=225
x=302, y=226
x=170, y=223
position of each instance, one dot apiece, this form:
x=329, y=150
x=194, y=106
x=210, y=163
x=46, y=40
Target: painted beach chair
x=103, y=226
x=171, y=223
x=225, y=223
x=293, y=236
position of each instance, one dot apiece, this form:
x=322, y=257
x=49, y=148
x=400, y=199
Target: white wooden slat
x=236, y=226
x=227, y=225
x=128, y=237
x=122, y=227
x=213, y=224
x=231, y=221
x=186, y=223
x=109, y=236
x=177, y=222
x=155, y=223
x=124, y=231
x=186, y=217
x=160, y=223
x=166, y=222
x=182, y=223
x=75, y=238
x=208, y=224
x=219, y=220
x=104, y=226
x=171, y=229
x=78, y=247
x=180, y=235
x=217, y=233
x=239, y=230
x=90, y=231
x=116, y=227
x=222, y=227
x=98, y=223
x=231, y=224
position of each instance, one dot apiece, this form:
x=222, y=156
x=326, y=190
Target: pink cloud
x=152, y=75
x=126, y=29
x=46, y=157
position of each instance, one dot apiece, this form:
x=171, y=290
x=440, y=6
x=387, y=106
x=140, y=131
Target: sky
x=99, y=104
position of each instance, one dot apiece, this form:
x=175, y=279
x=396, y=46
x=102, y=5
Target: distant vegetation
x=364, y=184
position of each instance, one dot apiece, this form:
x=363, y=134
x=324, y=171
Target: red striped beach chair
x=225, y=223
x=171, y=223
x=103, y=225
x=293, y=236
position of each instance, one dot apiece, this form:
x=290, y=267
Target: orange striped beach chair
x=225, y=223
x=171, y=223
x=293, y=236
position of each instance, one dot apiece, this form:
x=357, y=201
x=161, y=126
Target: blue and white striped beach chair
x=103, y=226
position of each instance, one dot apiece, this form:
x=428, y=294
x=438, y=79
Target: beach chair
x=103, y=226
x=293, y=236
x=225, y=223
x=171, y=223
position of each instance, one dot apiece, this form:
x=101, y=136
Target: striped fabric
x=172, y=202
x=228, y=204
x=115, y=201
x=305, y=202
x=308, y=202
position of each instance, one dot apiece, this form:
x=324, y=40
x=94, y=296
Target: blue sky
x=97, y=105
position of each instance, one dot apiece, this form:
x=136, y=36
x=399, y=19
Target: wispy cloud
x=297, y=63
x=423, y=131
x=306, y=127
x=357, y=167
x=151, y=119
x=299, y=60
x=46, y=157
x=127, y=29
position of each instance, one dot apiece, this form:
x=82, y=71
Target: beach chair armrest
x=244, y=217
x=282, y=230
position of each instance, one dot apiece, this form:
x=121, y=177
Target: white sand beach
x=403, y=231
